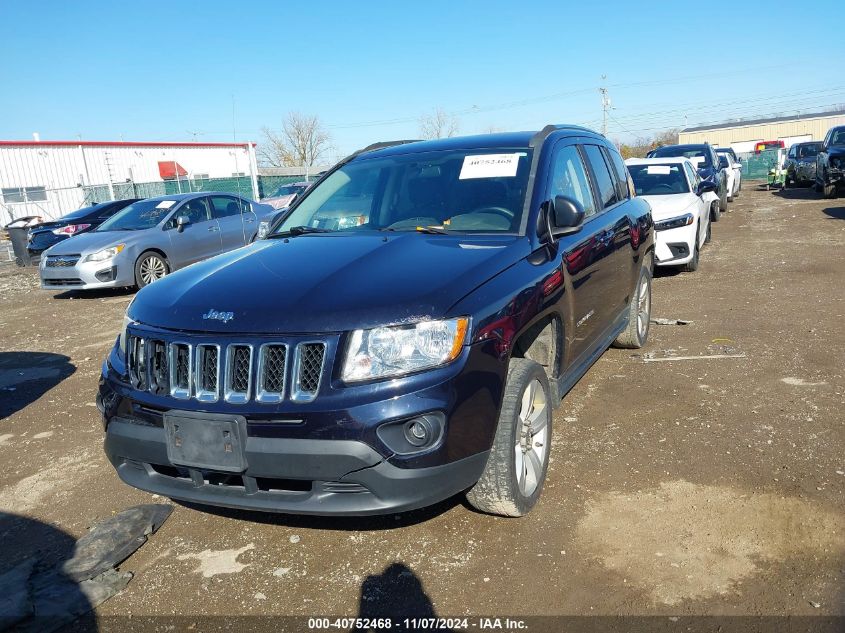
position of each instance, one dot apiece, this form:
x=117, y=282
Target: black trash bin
x=20, y=236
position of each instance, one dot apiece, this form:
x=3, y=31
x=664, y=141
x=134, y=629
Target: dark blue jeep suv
x=402, y=335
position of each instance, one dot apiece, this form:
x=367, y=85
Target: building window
x=24, y=194
x=238, y=174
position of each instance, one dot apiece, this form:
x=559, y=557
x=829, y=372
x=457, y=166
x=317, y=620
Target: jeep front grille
x=207, y=372
x=272, y=368
x=308, y=370
x=180, y=370
x=237, y=373
x=159, y=373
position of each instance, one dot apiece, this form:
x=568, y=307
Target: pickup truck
x=401, y=336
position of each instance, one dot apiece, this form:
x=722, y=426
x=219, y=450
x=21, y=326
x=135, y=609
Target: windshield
x=658, y=180
x=838, y=137
x=678, y=151
x=138, y=216
x=808, y=151
x=456, y=191
x=288, y=190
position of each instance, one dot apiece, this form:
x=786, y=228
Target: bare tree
x=302, y=142
x=438, y=124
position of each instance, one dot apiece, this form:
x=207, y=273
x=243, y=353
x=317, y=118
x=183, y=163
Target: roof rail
x=541, y=136
x=374, y=147
x=383, y=144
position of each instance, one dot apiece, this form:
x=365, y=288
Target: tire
x=709, y=235
x=723, y=201
x=787, y=182
x=715, y=213
x=635, y=334
x=829, y=191
x=692, y=265
x=516, y=469
x=150, y=266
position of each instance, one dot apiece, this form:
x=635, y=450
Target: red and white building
x=51, y=178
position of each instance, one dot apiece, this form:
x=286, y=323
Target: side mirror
x=181, y=222
x=565, y=216
x=706, y=185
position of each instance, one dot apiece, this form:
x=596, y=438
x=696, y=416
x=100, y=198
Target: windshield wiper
x=436, y=230
x=300, y=230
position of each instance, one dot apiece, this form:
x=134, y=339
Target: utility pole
x=605, y=105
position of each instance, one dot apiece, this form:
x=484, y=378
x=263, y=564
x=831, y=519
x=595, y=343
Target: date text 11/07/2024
x=419, y=624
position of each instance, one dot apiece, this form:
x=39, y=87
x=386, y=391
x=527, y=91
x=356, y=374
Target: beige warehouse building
x=742, y=135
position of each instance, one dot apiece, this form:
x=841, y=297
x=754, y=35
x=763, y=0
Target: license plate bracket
x=209, y=441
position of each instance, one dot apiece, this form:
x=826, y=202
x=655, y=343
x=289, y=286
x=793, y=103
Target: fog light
x=417, y=432
x=421, y=433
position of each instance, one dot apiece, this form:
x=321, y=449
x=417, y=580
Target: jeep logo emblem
x=219, y=316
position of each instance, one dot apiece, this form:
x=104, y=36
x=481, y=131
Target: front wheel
x=150, y=267
x=723, y=200
x=516, y=469
x=692, y=265
x=635, y=334
x=715, y=213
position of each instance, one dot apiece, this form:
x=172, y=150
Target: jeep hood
x=327, y=283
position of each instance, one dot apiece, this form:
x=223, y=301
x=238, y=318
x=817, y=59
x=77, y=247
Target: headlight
x=385, y=352
x=674, y=223
x=106, y=253
x=263, y=227
x=126, y=323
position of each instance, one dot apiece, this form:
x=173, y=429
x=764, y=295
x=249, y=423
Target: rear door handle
x=249, y=220
x=213, y=228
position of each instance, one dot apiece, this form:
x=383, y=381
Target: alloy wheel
x=532, y=442
x=152, y=269
x=643, y=308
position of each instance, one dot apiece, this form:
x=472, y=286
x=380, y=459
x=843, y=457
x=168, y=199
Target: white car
x=681, y=206
x=733, y=170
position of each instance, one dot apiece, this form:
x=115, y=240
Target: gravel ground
x=705, y=486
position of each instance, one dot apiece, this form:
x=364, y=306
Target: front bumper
x=322, y=457
x=674, y=247
x=298, y=476
x=111, y=273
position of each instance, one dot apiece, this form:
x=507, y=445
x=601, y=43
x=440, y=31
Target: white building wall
x=62, y=168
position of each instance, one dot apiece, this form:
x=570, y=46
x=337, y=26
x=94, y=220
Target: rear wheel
x=635, y=333
x=709, y=235
x=150, y=267
x=516, y=469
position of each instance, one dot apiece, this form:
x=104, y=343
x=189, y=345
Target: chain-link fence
x=50, y=204
x=756, y=166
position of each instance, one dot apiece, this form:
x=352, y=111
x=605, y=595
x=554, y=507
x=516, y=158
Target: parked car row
x=137, y=242
x=830, y=163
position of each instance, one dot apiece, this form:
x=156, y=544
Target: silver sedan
x=150, y=238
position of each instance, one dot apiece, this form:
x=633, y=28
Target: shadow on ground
x=26, y=376
x=35, y=595
x=339, y=523
x=835, y=213
x=102, y=293
x=798, y=193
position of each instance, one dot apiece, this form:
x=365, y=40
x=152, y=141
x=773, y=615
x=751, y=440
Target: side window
x=791, y=153
x=195, y=210
x=691, y=175
x=569, y=179
x=246, y=207
x=614, y=159
x=224, y=206
x=604, y=181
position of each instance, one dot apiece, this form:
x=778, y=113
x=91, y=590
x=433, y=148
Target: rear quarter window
x=604, y=181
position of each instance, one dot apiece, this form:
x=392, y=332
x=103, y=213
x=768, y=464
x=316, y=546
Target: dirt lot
x=678, y=488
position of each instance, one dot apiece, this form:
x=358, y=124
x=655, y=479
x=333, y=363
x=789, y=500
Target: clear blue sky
x=159, y=70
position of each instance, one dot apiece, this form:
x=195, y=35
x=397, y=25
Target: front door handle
x=213, y=228
x=248, y=220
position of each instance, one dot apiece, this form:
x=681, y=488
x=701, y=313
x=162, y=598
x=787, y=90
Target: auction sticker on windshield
x=165, y=204
x=658, y=170
x=490, y=166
